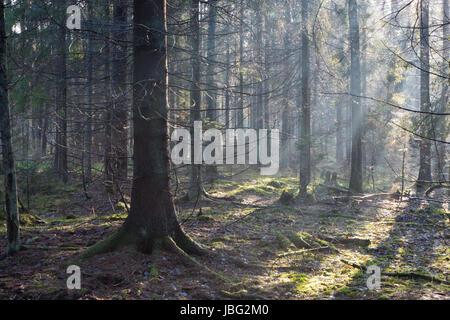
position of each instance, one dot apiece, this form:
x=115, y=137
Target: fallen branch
x=335, y=188
x=305, y=250
x=400, y=274
x=242, y=294
x=436, y=186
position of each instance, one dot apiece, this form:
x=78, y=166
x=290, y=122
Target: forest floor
x=263, y=249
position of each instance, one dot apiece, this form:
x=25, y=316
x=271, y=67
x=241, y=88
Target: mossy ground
x=248, y=236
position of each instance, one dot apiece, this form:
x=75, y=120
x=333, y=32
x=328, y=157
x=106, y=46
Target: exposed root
x=173, y=247
x=186, y=243
x=110, y=244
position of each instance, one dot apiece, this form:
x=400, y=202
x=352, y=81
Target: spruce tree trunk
x=61, y=101
x=355, y=92
x=119, y=77
x=12, y=213
x=211, y=97
x=227, y=90
x=109, y=157
x=195, y=174
x=152, y=221
x=87, y=161
x=425, y=104
x=443, y=103
x=259, y=123
x=240, y=111
x=339, y=132
x=286, y=111
x=305, y=126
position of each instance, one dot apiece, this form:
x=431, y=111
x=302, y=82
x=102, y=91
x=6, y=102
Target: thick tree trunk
x=12, y=213
x=152, y=212
x=355, y=92
x=152, y=220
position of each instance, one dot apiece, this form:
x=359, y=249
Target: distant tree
x=355, y=92
x=195, y=187
x=119, y=118
x=305, y=124
x=424, y=177
x=61, y=146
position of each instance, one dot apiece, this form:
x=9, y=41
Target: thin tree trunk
x=259, y=117
x=424, y=177
x=211, y=49
x=211, y=97
x=109, y=157
x=195, y=178
x=305, y=130
x=227, y=90
x=87, y=163
x=240, y=111
x=339, y=133
x=119, y=77
x=286, y=111
x=443, y=105
x=355, y=91
x=61, y=103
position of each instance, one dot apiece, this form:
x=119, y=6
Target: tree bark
x=424, y=177
x=305, y=126
x=61, y=102
x=355, y=91
x=195, y=174
x=152, y=221
x=211, y=98
x=119, y=77
x=12, y=213
x=87, y=163
x=240, y=111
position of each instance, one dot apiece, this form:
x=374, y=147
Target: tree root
x=181, y=245
x=110, y=244
x=186, y=243
x=400, y=274
x=170, y=244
